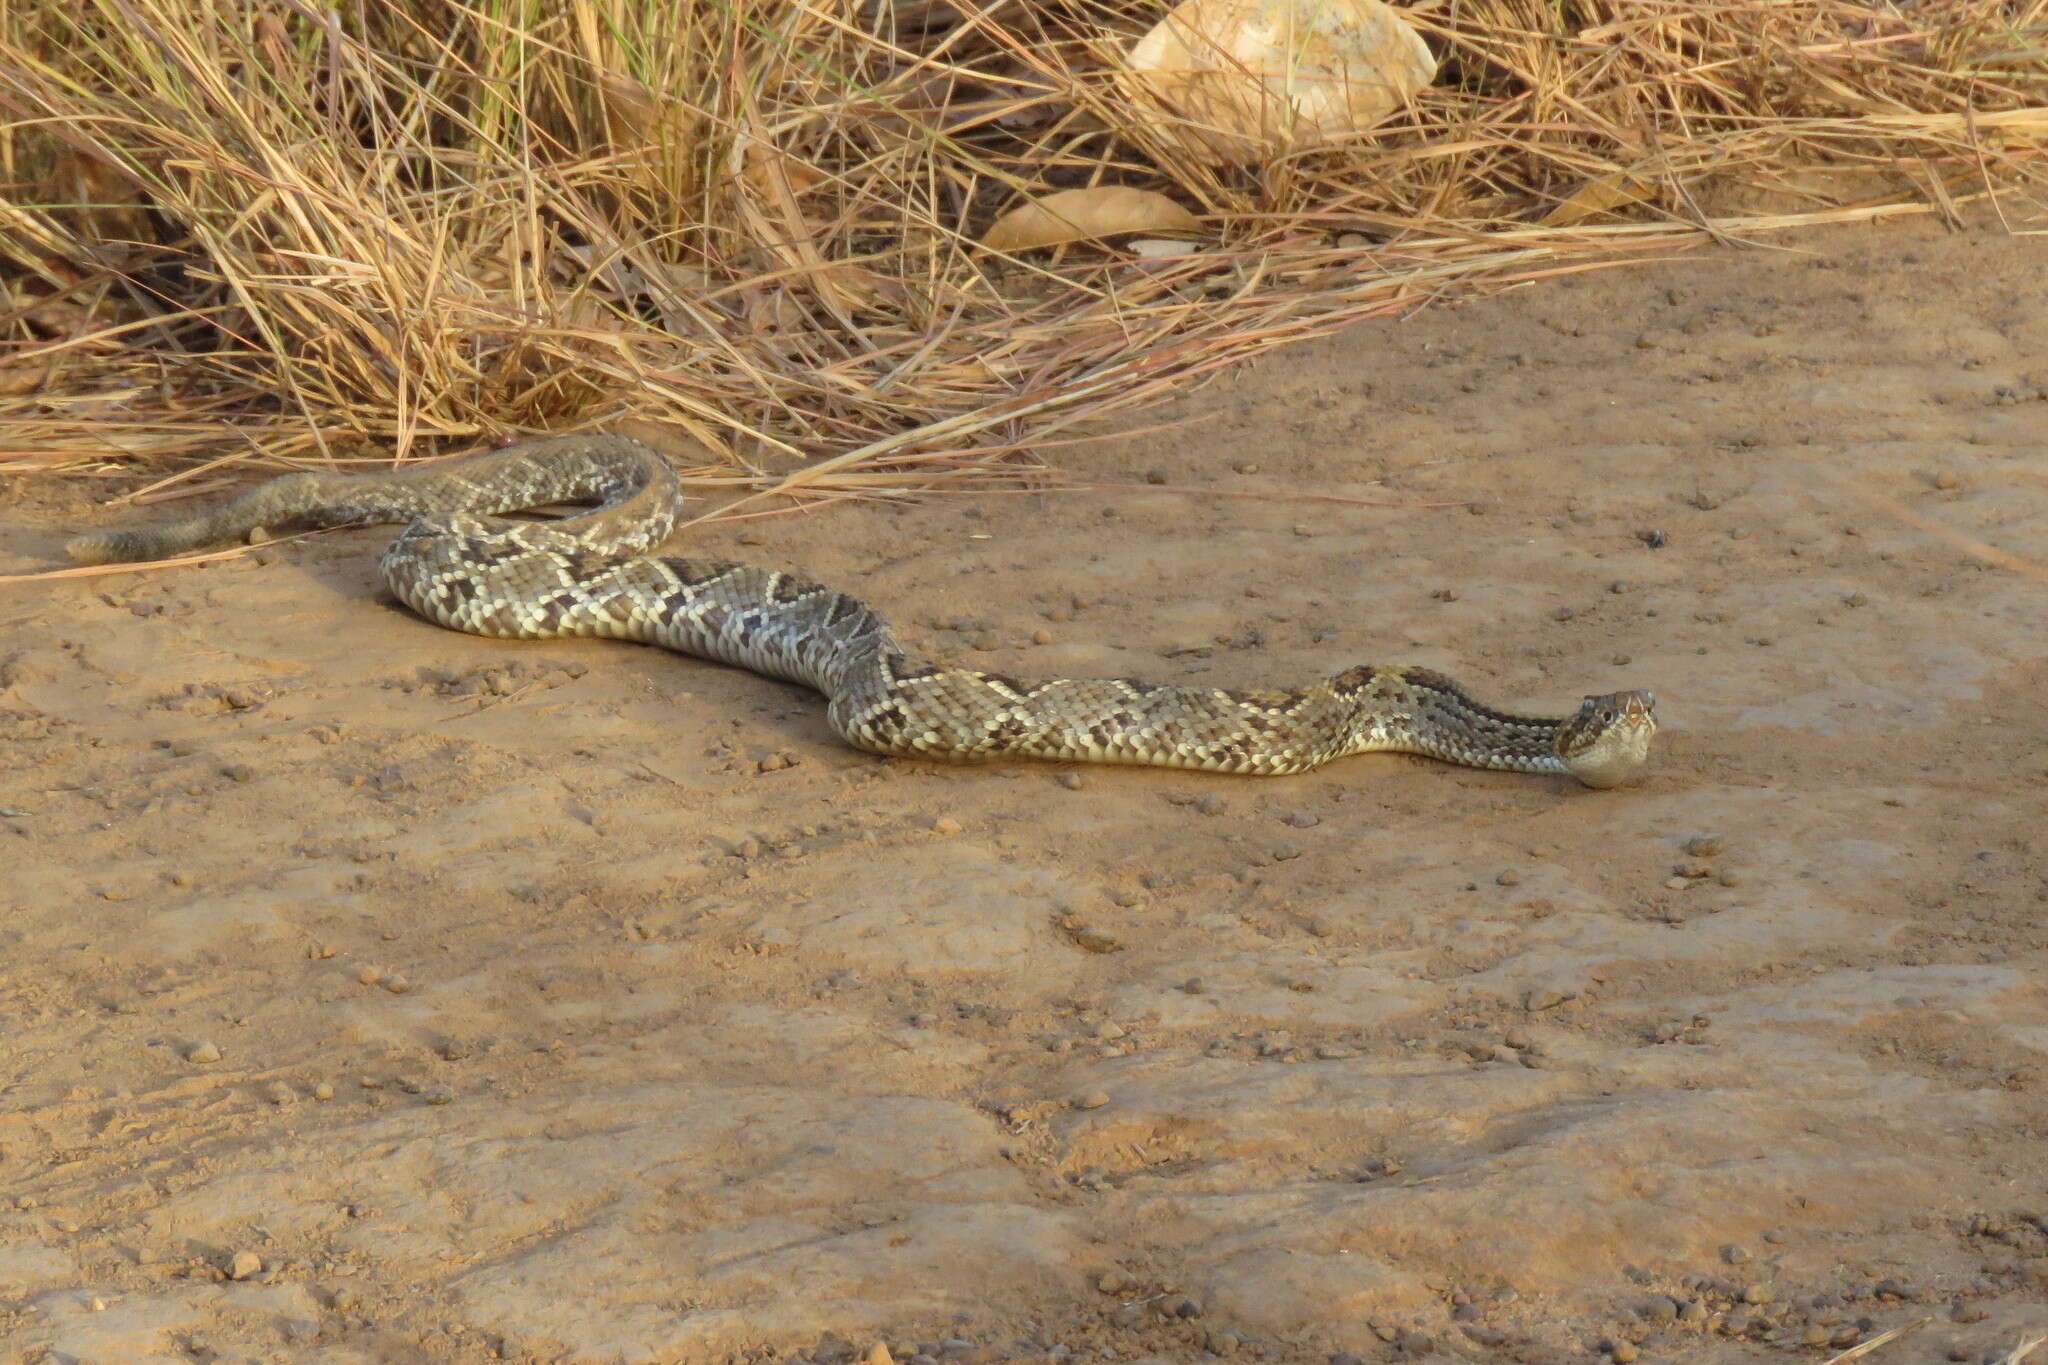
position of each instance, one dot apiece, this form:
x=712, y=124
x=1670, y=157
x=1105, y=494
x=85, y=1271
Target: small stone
x=1734, y=1254
x=1300, y=819
x=945, y=824
x=369, y=976
x=1096, y=940
x=1094, y=1099
x=1542, y=998
x=1623, y=1352
x=438, y=1094
x=245, y=1264
x=1508, y=878
x=397, y=984
x=1947, y=480
x=1071, y=781
x=1155, y=476
x=323, y=1091
x=1211, y=804
x=202, y=1053
x=1757, y=1294
x=878, y=1354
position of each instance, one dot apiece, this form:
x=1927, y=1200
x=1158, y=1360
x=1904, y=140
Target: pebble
x=1734, y=1254
x=438, y=1094
x=945, y=824
x=1623, y=1352
x=1211, y=804
x=245, y=1264
x=1071, y=781
x=1542, y=998
x=1300, y=819
x=202, y=1053
x=1508, y=878
x=323, y=1091
x=1096, y=940
x=1703, y=845
x=397, y=984
x=1757, y=1293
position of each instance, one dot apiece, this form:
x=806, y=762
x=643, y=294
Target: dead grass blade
x=254, y=236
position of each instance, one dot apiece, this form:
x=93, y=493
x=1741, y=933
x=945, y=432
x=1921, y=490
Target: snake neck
x=1420, y=711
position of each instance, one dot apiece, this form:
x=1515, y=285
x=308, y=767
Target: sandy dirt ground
x=372, y=993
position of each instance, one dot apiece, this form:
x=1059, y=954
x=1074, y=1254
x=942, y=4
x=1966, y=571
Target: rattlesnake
x=590, y=574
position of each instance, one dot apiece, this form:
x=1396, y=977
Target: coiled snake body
x=459, y=565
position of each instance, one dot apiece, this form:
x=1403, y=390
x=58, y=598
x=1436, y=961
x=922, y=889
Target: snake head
x=1609, y=738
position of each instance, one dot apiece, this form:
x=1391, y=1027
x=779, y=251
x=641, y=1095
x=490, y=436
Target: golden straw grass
x=254, y=235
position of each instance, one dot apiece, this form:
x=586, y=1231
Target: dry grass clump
x=284, y=231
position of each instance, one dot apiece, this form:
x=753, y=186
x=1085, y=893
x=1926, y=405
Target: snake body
x=461, y=565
